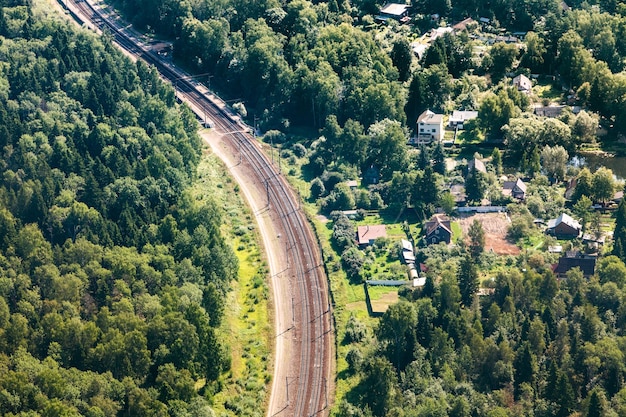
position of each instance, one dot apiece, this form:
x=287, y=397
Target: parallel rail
x=311, y=305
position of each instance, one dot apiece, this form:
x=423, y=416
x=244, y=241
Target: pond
x=617, y=164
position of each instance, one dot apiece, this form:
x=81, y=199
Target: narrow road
x=303, y=380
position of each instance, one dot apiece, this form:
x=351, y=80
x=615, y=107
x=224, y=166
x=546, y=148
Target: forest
x=112, y=277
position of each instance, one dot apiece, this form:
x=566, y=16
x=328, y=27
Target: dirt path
x=276, y=260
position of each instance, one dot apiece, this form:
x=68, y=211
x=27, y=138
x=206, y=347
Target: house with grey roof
x=459, y=117
x=564, y=227
x=523, y=84
x=395, y=11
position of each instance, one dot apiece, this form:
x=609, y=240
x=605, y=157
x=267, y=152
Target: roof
x=436, y=222
x=592, y=238
x=406, y=245
x=419, y=282
x=460, y=116
x=352, y=183
x=564, y=218
x=395, y=9
x=574, y=259
x=476, y=163
x=549, y=111
x=521, y=185
x=428, y=117
x=365, y=234
x=419, y=49
x=440, y=31
x=522, y=82
x=462, y=25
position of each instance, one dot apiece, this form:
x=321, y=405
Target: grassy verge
x=247, y=318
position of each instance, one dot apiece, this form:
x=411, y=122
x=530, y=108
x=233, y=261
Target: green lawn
x=457, y=232
x=247, y=329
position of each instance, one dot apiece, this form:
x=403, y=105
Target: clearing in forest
x=495, y=226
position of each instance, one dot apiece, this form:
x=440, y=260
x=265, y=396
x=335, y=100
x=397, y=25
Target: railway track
x=312, y=332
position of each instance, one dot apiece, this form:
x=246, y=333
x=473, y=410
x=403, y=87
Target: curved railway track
x=311, y=314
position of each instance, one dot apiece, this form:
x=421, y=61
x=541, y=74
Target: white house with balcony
x=429, y=127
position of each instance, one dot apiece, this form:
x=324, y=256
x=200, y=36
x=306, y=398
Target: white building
x=459, y=117
x=429, y=127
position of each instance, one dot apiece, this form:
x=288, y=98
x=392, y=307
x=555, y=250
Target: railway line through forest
x=308, y=376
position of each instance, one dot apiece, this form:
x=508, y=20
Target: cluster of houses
x=438, y=230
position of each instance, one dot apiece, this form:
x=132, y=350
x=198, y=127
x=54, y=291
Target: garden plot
x=495, y=226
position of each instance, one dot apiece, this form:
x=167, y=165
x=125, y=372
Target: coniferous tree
x=468, y=280
x=439, y=159
x=476, y=234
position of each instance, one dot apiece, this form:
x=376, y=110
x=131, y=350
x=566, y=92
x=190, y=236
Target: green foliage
x=112, y=277
x=476, y=234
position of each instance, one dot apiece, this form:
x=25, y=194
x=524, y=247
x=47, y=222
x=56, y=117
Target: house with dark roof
x=575, y=259
x=515, y=189
x=523, y=84
x=564, y=227
x=366, y=235
x=437, y=230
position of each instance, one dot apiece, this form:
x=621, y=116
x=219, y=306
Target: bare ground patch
x=495, y=226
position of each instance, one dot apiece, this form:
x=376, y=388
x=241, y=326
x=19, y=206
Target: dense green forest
x=112, y=277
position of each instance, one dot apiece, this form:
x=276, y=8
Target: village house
x=395, y=11
x=476, y=164
x=549, y=111
x=429, y=127
x=515, y=189
x=366, y=235
x=523, y=84
x=438, y=230
x=459, y=117
x=575, y=259
x=564, y=227
x=440, y=31
x=465, y=24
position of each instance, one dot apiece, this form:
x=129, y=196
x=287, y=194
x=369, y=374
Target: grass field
x=246, y=330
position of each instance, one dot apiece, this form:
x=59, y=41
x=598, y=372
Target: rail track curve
x=311, y=342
